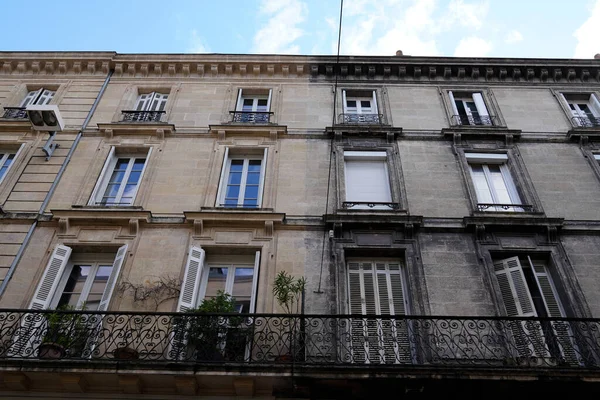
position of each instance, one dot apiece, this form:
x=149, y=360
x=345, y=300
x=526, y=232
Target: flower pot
x=51, y=351
x=126, y=353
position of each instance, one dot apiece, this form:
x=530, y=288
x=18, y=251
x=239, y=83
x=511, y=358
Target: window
x=6, y=160
x=149, y=107
x=367, y=180
x=253, y=106
x=585, y=109
x=493, y=183
x=242, y=180
x=120, y=179
x=377, y=288
x=527, y=290
x=469, y=109
x=70, y=280
x=38, y=97
x=360, y=106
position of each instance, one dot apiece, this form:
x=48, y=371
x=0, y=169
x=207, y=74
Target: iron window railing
x=586, y=122
x=251, y=117
x=362, y=205
x=505, y=207
x=360, y=119
x=266, y=339
x=142, y=116
x=479, y=120
x=14, y=113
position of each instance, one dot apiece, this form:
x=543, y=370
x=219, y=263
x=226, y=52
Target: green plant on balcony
x=66, y=334
x=289, y=293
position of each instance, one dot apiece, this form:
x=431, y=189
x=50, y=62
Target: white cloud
x=587, y=35
x=472, y=47
x=197, y=44
x=414, y=26
x=513, y=36
x=280, y=32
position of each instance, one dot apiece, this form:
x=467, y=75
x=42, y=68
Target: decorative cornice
x=102, y=214
x=349, y=68
x=235, y=216
x=119, y=128
x=272, y=131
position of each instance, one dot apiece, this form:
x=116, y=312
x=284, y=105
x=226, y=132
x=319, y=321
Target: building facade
x=445, y=213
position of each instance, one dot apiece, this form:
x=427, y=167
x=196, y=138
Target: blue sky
x=474, y=28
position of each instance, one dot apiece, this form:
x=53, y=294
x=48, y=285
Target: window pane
x=499, y=185
x=233, y=193
x=235, y=178
x=74, y=286
x=365, y=104
x=134, y=177
x=481, y=186
x=351, y=103
x=242, y=288
x=217, y=278
x=138, y=164
x=117, y=177
x=253, y=178
x=251, y=192
x=254, y=165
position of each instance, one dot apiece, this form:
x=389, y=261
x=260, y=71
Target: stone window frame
x=506, y=244
x=98, y=169
x=16, y=168
x=559, y=92
x=20, y=91
x=246, y=154
x=489, y=99
x=518, y=172
x=133, y=92
x=381, y=98
x=397, y=247
x=274, y=105
x=394, y=169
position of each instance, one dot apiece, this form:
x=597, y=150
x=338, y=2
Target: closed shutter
x=377, y=289
x=188, y=300
x=30, y=97
x=367, y=180
x=528, y=335
x=30, y=334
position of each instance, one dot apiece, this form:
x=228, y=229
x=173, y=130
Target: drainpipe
x=40, y=213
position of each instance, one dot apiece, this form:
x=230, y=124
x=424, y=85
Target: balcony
x=586, y=122
x=14, y=113
x=369, y=205
x=48, y=338
x=142, y=116
x=361, y=119
x=470, y=120
x=251, y=117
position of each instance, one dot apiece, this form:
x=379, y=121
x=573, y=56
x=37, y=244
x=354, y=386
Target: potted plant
x=289, y=293
x=207, y=333
x=65, y=334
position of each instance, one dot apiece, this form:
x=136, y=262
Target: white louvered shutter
x=188, y=299
x=480, y=104
x=158, y=102
x=29, y=336
x=344, y=101
x=240, y=103
x=374, y=104
x=112, y=279
x=452, y=104
x=595, y=105
x=528, y=335
x=554, y=309
x=30, y=97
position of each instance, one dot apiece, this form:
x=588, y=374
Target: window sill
x=236, y=209
x=107, y=207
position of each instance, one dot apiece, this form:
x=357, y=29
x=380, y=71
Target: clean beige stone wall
x=417, y=107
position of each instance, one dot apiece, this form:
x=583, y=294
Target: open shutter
x=480, y=104
x=595, y=106
x=255, y=282
x=188, y=299
x=263, y=169
x=527, y=335
x=374, y=103
x=112, y=279
x=453, y=104
x=30, y=97
x=239, y=104
x=269, y=100
x=31, y=331
x=103, y=178
x=345, y=105
x=223, y=180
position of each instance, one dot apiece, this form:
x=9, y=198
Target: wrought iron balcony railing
x=327, y=340
x=480, y=120
x=142, y=116
x=370, y=205
x=586, y=122
x=361, y=119
x=251, y=117
x=14, y=113
x=505, y=207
